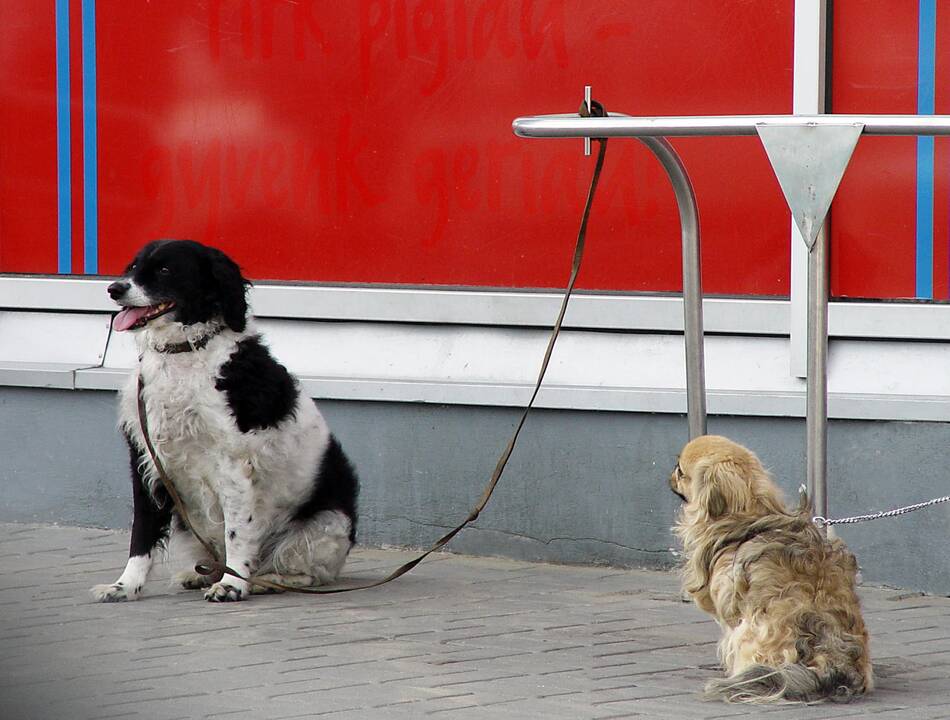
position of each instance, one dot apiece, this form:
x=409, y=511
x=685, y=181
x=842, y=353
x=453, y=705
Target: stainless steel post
x=692, y=282
x=816, y=413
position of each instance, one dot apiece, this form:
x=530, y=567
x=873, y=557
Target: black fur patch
x=203, y=282
x=151, y=516
x=261, y=393
x=335, y=487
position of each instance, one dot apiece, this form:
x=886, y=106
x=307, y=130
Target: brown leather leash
x=216, y=568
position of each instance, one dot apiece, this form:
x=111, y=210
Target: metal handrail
x=620, y=125
x=652, y=131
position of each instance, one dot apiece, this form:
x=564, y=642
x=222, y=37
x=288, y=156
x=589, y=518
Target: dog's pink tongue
x=128, y=317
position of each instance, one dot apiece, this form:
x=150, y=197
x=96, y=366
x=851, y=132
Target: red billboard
x=370, y=141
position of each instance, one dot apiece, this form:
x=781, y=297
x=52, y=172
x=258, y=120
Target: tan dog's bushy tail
x=763, y=684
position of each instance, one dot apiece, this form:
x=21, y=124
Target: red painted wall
x=27, y=137
x=369, y=141
x=874, y=223
x=873, y=216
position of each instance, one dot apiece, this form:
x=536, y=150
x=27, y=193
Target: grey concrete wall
x=582, y=487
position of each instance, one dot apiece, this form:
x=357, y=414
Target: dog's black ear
x=231, y=289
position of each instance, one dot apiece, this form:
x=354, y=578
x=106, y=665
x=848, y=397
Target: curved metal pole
x=692, y=282
x=689, y=227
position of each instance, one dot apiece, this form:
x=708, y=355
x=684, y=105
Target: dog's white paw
x=226, y=591
x=115, y=592
x=190, y=580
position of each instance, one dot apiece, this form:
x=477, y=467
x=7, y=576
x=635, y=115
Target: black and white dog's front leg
x=242, y=539
x=150, y=522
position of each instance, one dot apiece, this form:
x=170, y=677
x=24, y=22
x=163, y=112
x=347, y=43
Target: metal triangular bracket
x=809, y=162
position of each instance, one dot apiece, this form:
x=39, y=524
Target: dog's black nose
x=118, y=289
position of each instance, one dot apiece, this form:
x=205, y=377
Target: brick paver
x=459, y=638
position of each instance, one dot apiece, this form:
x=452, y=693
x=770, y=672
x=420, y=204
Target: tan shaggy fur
x=783, y=594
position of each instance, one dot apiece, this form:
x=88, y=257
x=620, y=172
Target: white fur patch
x=130, y=583
x=136, y=296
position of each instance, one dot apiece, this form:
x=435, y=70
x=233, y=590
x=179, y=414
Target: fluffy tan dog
x=783, y=594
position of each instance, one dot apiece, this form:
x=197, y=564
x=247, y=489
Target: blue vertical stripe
x=90, y=169
x=926, y=62
x=925, y=217
x=64, y=249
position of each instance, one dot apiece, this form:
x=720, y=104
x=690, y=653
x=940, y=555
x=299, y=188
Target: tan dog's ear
x=722, y=490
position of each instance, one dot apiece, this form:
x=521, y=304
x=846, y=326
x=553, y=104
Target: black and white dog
x=254, y=462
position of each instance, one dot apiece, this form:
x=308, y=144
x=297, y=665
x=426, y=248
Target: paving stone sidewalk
x=459, y=638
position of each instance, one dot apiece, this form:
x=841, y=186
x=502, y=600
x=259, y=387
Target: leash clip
x=590, y=108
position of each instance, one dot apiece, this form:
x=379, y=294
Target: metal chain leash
x=825, y=522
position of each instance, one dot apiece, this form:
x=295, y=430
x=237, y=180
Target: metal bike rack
x=809, y=154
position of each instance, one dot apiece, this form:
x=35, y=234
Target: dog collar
x=187, y=346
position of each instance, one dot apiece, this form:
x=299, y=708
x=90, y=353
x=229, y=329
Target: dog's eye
x=164, y=271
